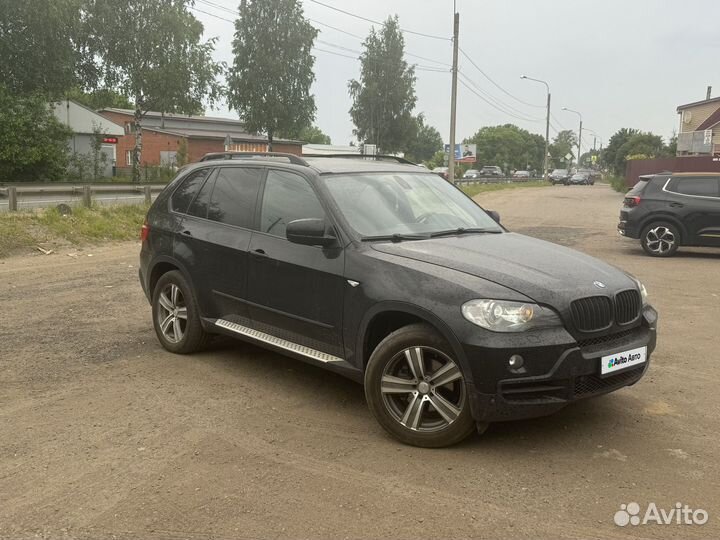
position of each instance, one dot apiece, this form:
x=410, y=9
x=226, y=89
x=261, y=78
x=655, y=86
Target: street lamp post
x=580, y=133
x=547, y=125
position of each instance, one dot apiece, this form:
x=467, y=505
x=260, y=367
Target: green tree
x=270, y=79
x=610, y=153
x=152, y=52
x=384, y=97
x=33, y=144
x=508, y=146
x=564, y=142
x=313, y=135
x=437, y=160
x=100, y=98
x=42, y=47
x=425, y=143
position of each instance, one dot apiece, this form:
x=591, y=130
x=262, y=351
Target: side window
x=287, y=197
x=234, y=196
x=705, y=187
x=201, y=203
x=186, y=192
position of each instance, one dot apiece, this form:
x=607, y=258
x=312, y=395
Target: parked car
x=521, y=174
x=471, y=174
x=492, y=171
x=560, y=176
x=441, y=171
x=580, y=179
x=386, y=274
x=666, y=211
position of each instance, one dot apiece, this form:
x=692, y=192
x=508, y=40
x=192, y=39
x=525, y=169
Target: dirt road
x=105, y=435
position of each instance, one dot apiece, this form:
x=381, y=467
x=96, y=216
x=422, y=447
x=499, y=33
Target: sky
x=620, y=63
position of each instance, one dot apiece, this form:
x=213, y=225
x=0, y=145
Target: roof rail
x=375, y=157
x=292, y=158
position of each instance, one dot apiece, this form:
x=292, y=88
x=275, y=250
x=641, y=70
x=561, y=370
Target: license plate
x=613, y=363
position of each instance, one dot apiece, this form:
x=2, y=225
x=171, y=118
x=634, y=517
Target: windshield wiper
x=396, y=237
x=463, y=230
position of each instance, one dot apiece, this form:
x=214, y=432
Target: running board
x=278, y=342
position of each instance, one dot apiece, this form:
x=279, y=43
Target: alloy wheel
x=659, y=240
x=423, y=389
x=172, y=313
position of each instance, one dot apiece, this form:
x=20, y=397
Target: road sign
x=593, y=158
x=569, y=155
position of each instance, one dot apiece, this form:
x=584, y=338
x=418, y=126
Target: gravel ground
x=105, y=435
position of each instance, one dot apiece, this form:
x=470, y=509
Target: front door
x=295, y=292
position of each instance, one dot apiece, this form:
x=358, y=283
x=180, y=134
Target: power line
x=493, y=105
x=466, y=55
x=376, y=22
x=218, y=6
x=499, y=105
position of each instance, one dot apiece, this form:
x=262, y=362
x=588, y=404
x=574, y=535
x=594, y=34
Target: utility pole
x=453, y=99
x=547, y=125
x=579, y=143
x=547, y=138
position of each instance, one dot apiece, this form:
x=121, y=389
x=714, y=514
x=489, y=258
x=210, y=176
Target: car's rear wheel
x=416, y=389
x=176, y=317
x=660, y=239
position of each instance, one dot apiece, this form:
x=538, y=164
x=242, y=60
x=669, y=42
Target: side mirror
x=493, y=214
x=309, y=232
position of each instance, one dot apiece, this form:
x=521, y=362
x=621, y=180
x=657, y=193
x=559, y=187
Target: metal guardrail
x=495, y=180
x=83, y=192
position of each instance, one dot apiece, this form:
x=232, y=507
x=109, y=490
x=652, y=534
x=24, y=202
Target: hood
x=545, y=272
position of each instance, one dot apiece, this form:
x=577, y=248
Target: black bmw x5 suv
x=387, y=274
x=666, y=211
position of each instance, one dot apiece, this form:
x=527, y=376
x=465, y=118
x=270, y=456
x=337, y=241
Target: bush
x=618, y=183
x=33, y=144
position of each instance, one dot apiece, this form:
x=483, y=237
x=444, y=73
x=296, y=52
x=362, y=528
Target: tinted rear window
x=234, y=196
x=188, y=188
x=704, y=187
x=638, y=188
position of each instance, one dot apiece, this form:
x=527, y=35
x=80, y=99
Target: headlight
x=505, y=316
x=643, y=293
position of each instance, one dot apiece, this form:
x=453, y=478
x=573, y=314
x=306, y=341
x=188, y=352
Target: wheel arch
x=161, y=266
x=386, y=317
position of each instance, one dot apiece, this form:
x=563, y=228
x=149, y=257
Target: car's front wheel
x=416, y=389
x=176, y=317
x=660, y=239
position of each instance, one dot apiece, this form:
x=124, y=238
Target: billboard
x=464, y=153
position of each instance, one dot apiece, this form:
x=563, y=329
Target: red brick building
x=163, y=134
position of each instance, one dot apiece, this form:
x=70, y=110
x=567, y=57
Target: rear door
x=295, y=292
x=215, y=236
x=697, y=202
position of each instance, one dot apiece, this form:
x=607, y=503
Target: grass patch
x=85, y=225
x=474, y=189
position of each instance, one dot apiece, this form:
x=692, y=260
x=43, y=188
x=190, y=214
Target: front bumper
x=554, y=376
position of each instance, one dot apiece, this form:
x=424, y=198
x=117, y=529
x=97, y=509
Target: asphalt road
x=105, y=435
x=48, y=200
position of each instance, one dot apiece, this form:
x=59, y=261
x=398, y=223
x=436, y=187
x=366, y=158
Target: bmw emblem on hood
x=599, y=284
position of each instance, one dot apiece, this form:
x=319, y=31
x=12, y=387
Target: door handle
x=258, y=253
x=186, y=233
x=676, y=205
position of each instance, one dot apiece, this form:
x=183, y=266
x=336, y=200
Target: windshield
x=404, y=204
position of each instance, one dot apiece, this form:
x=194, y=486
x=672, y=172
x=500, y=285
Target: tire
x=660, y=239
x=172, y=298
x=405, y=404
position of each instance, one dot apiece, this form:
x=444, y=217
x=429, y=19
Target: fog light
x=516, y=361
